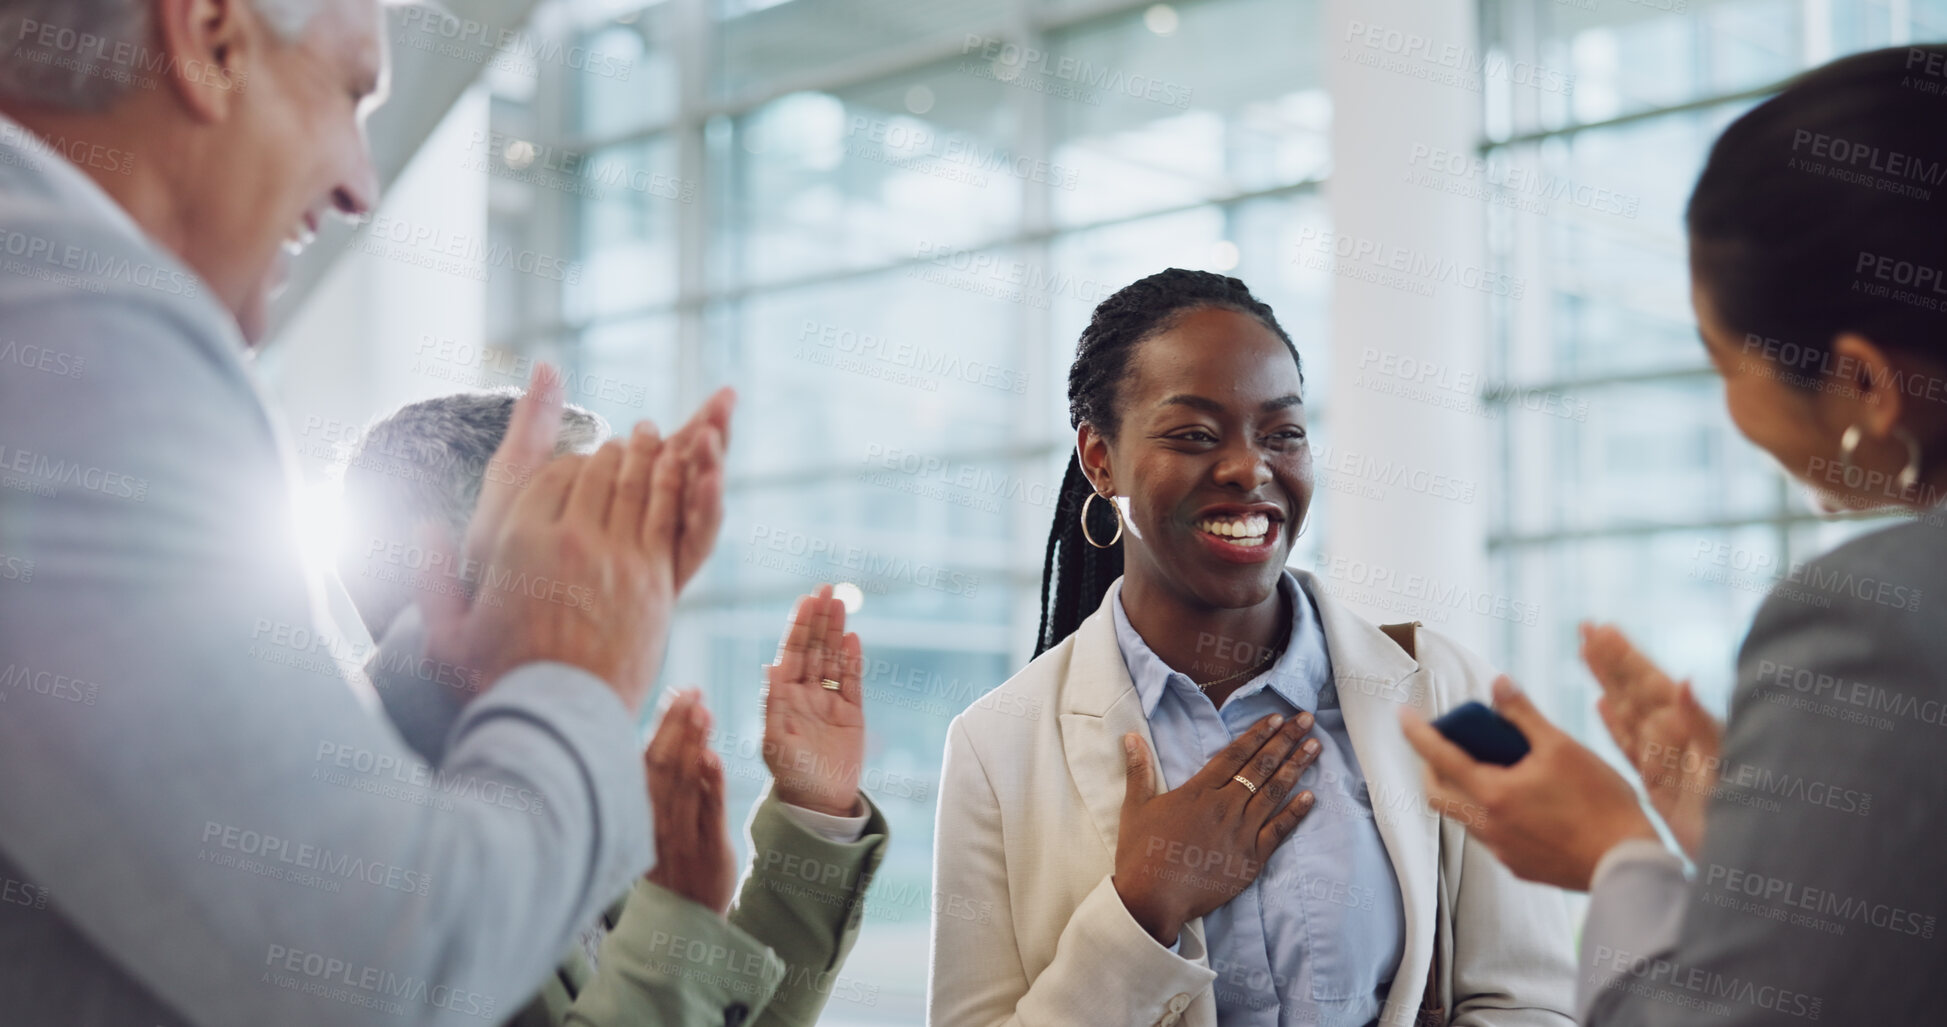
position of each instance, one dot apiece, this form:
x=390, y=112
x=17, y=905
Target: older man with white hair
x=206, y=820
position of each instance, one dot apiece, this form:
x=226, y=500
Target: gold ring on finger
x=1240, y=779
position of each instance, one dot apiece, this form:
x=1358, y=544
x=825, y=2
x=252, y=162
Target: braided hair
x=1076, y=575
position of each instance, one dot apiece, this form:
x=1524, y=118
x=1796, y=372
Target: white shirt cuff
x=1634, y=850
x=838, y=830
x=1635, y=914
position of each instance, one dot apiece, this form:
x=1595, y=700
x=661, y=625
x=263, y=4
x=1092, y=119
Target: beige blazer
x=1028, y=929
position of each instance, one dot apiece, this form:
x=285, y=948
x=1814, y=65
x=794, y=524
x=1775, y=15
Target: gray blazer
x=1818, y=892
x=204, y=817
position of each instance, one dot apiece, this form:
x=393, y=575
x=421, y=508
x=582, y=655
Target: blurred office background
x=886, y=223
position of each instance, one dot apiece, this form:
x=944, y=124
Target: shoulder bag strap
x=1433, y=1008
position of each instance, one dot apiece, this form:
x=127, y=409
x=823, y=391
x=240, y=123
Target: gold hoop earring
x=1092, y=497
x=1909, y=475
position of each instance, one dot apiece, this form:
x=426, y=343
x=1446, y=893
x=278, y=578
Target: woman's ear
x=1092, y=448
x=1877, y=401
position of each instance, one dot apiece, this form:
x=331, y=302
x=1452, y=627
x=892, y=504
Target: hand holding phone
x=1484, y=734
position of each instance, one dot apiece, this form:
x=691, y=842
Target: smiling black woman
x=1213, y=448
x=1127, y=858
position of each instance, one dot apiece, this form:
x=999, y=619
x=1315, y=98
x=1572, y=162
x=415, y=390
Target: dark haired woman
x=1211, y=817
x=1816, y=821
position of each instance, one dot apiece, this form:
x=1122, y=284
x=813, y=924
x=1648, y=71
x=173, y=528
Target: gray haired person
x=417, y=474
x=426, y=462
x=176, y=813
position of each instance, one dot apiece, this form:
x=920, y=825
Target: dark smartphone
x=1486, y=735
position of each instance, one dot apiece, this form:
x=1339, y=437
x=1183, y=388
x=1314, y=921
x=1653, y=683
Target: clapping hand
x=694, y=857
x=579, y=559
x=1662, y=729
x=814, y=733
x=701, y=444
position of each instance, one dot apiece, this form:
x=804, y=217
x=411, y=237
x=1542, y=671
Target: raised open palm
x=694, y=854
x=814, y=735
x=1674, y=743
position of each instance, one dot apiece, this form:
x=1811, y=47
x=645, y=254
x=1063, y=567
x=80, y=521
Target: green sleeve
x=670, y=962
x=805, y=898
x=549, y=1006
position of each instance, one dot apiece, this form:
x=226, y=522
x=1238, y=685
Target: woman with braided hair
x=1208, y=815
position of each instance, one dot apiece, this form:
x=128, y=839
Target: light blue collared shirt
x=1315, y=939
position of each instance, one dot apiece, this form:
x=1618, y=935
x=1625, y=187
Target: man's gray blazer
x=1819, y=893
x=204, y=817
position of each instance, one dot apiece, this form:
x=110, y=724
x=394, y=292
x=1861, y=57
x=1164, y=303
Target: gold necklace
x=1268, y=660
